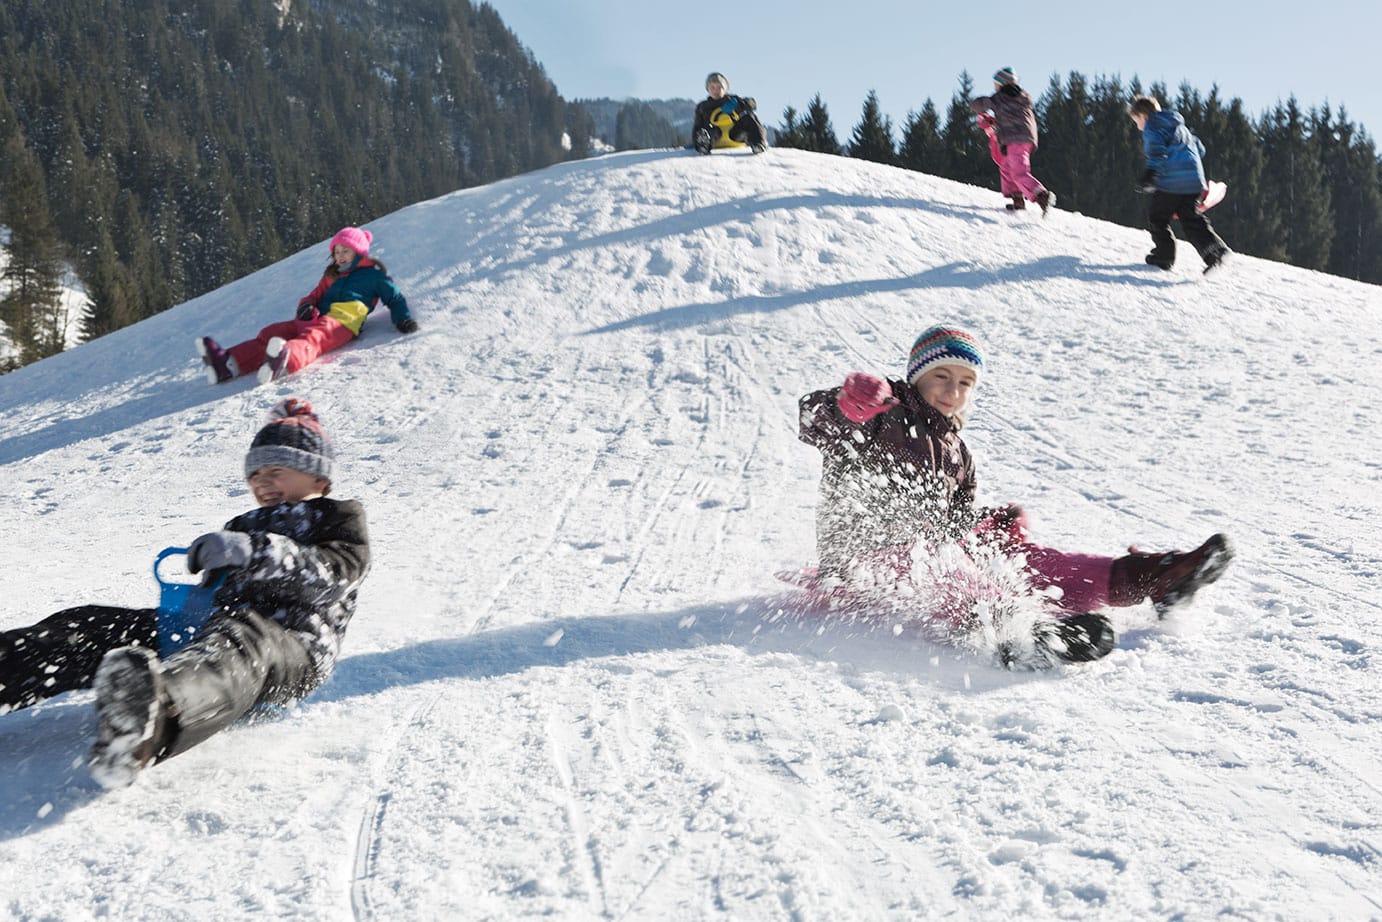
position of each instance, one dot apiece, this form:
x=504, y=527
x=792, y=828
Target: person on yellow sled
x=726, y=120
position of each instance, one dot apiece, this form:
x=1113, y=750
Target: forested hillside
x=166, y=147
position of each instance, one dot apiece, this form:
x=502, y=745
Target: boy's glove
x=307, y=311
x=217, y=550
x=863, y=397
x=407, y=325
x=1147, y=182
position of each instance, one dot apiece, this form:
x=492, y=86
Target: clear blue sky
x=783, y=52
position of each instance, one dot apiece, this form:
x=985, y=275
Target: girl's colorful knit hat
x=1005, y=76
x=357, y=238
x=292, y=438
x=943, y=345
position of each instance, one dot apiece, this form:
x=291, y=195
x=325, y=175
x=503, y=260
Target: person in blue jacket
x=1175, y=178
x=330, y=316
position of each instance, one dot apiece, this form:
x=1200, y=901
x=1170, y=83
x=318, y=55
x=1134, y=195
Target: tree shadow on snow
x=43, y=776
x=43, y=773
x=758, y=626
x=735, y=212
x=165, y=396
x=950, y=275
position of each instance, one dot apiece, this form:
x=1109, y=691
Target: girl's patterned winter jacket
x=352, y=295
x=901, y=477
x=1014, y=119
x=308, y=562
x=1174, y=154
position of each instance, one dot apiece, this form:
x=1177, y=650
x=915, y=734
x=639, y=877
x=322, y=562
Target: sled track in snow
x=372, y=820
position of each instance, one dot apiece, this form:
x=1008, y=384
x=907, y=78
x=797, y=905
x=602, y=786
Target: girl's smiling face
x=343, y=255
x=947, y=388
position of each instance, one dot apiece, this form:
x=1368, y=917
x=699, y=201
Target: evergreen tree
x=31, y=306
x=921, y=147
x=1295, y=175
x=1350, y=166
x=816, y=131
x=1067, y=142
x=639, y=127
x=963, y=144
x=579, y=130
x=791, y=133
x=873, y=136
x=1248, y=219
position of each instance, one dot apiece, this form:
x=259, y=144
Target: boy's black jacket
x=308, y=562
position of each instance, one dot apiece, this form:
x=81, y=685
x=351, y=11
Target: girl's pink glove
x=863, y=397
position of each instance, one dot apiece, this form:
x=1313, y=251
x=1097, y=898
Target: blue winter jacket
x=1173, y=154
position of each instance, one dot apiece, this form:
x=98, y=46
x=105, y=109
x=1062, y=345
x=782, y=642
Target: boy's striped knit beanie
x=1005, y=76
x=943, y=345
x=293, y=438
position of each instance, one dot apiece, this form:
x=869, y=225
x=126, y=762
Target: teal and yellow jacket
x=354, y=292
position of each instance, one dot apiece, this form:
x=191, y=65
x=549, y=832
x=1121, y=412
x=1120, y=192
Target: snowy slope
x=568, y=690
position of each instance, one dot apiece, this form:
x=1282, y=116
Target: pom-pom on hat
x=1005, y=76
x=357, y=238
x=719, y=77
x=292, y=438
x=943, y=345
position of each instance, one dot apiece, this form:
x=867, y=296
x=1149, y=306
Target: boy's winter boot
x=1018, y=203
x=1214, y=258
x=1046, y=199
x=703, y=141
x=1169, y=579
x=132, y=717
x=276, y=362
x=1161, y=262
x=220, y=364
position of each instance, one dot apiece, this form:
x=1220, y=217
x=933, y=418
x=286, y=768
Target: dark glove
x=217, y=550
x=307, y=311
x=407, y=325
x=750, y=103
x=1147, y=182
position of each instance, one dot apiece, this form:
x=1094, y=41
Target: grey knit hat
x=293, y=438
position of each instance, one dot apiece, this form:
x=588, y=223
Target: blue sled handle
x=182, y=607
x=162, y=556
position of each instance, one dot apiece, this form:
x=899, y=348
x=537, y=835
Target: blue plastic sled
x=182, y=607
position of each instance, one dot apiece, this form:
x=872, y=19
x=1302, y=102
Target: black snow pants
x=61, y=652
x=1167, y=205
x=240, y=661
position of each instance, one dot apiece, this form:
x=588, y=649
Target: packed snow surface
x=569, y=690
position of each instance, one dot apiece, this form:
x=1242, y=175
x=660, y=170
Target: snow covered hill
x=568, y=690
